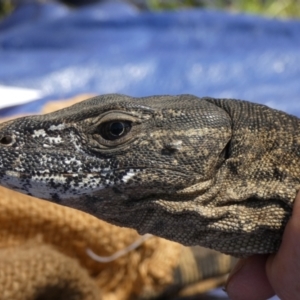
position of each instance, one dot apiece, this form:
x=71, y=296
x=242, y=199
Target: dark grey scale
x=56, y=197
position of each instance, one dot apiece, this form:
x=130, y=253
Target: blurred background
x=273, y=8
x=235, y=49
x=54, y=50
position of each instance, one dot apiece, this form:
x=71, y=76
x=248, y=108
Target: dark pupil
x=117, y=128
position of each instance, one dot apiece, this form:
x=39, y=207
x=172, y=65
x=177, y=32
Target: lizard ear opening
x=227, y=150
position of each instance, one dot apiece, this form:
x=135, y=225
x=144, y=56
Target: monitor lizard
x=220, y=173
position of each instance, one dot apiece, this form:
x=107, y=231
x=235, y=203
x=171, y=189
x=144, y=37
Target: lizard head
x=156, y=164
x=124, y=147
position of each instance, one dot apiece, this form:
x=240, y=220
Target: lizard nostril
x=6, y=140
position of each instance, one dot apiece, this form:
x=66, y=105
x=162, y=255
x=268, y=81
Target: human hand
x=260, y=277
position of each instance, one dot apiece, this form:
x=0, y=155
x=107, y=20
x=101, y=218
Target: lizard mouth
x=126, y=182
x=102, y=173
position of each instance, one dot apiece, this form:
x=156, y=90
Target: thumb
x=283, y=268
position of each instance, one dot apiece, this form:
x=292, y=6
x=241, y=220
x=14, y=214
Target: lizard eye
x=113, y=130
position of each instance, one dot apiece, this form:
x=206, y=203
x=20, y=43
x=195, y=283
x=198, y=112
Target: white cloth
x=10, y=95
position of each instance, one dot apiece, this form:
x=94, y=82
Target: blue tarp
x=112, y=47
